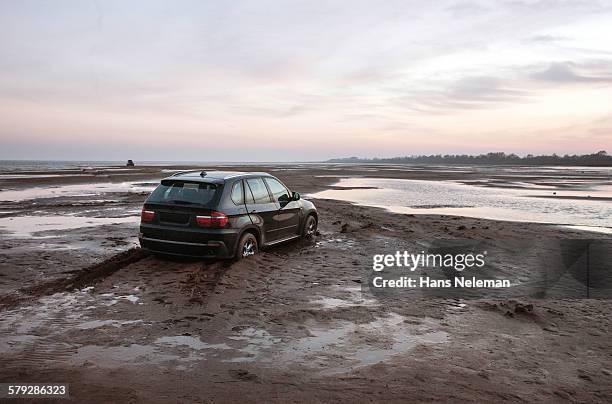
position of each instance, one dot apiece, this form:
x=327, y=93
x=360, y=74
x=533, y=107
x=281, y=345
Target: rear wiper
x=178, y=202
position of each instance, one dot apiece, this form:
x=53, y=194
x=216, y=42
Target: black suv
x=223, y=214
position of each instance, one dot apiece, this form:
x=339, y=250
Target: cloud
x=478, y=92
x=467, y=9
x=570, y=72
x=295, y=69
x=546, y=39
x=514, y=85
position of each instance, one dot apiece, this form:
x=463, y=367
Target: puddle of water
x=73, y=190
x=13, y=342
x=20, y=176
x=256, y=342
x=416, y=197
x=337, y=243
x=55, y=246
x=46, y=311
x=27, y=226
x=355, y=298
x=188, y=341
x=332, y=302
x=110, y=299
x=331, y=176
x=88, y=325
x=355, y=344
x=361, y=344
x=130, y=298
x=51, y=314
x=596, y=229
x=113, y=355
x=37, y=328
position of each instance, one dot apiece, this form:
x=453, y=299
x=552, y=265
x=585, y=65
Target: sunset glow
x=281, y=81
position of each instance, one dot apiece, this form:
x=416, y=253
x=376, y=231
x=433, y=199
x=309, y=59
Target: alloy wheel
x=248, y=248
x=311, y=229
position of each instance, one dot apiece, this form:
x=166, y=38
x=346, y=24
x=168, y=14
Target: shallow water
x=362, y=344
x=188, y=341
x=351, y=297
x=39, y=332
x=28, y=226
x=448, y=198
x=74, y=190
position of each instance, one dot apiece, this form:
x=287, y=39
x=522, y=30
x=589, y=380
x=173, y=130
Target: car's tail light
x=147, y=215
x=216, y=219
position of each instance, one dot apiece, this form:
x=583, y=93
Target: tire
x=247, y=246
x=310, y=228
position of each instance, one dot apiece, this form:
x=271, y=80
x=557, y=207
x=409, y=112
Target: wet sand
x=84, y=306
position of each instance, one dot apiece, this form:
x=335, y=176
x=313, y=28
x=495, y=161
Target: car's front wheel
x=247, y=246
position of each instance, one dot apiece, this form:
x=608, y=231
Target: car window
x=248, y=195
x=258, y=190
x=279, y=192
x=184, y=193
x=237, y=195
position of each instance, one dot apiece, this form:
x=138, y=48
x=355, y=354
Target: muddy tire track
x=201, y=284
x=81, y=278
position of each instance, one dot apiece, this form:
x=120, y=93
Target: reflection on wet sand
x=445, y=198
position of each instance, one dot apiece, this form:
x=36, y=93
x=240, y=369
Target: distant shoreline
x=46, y=164
x=599, y=159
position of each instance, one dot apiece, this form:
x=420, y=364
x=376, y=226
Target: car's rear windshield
x=185, y=193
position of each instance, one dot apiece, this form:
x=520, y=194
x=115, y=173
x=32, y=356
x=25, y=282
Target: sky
x=302, y=80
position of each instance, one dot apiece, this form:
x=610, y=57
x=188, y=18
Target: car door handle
x=253, y=211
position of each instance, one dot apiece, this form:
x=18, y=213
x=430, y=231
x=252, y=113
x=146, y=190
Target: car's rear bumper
x=211, y=249
x=209, y=243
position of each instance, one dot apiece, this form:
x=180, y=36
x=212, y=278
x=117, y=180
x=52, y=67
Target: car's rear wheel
x=310, y=228
x=247, y=246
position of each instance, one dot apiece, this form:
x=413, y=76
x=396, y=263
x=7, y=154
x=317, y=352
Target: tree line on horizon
x=600, y=158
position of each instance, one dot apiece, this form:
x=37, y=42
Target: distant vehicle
x=222, y=214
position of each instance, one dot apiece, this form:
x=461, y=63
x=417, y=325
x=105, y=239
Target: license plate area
x=174, y=218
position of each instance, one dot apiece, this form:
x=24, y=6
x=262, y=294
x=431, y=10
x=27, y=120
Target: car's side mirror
x=295, y=196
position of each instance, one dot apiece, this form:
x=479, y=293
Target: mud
x=292, y=324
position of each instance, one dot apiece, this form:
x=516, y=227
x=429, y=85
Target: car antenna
x=202, y=173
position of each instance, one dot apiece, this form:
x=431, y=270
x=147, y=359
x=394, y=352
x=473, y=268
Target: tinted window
x=258, y=190
x=237, y=196
x=248, y=195
x=184, y=193
x=279, y=192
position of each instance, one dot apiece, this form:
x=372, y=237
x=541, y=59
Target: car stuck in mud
x=223, y=214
